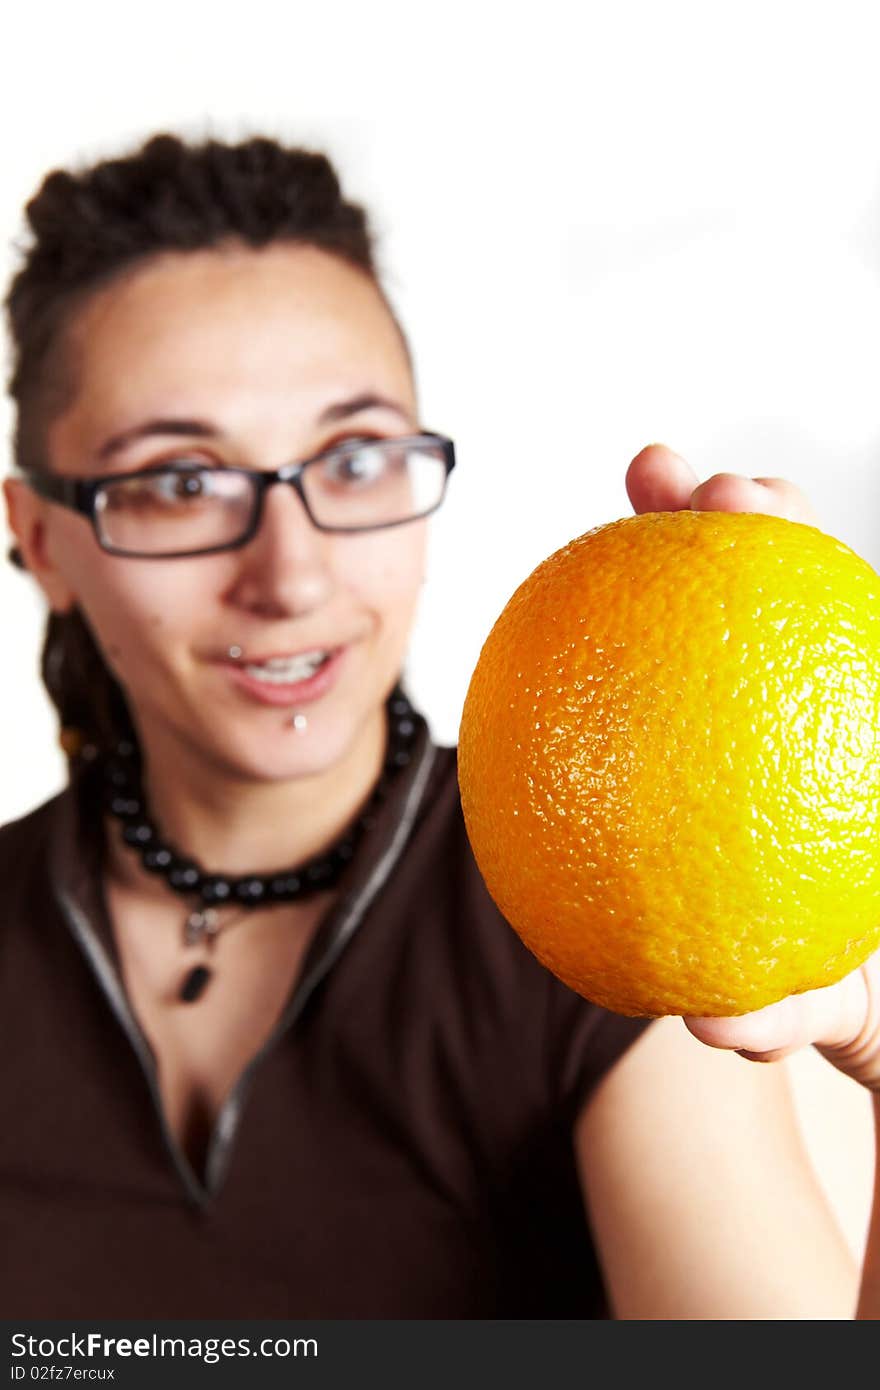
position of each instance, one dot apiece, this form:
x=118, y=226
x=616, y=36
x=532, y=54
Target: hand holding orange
x=670, y=757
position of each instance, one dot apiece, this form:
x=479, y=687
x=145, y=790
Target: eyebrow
x=203, y=429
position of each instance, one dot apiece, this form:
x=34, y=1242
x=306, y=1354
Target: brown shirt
x=401, y=1147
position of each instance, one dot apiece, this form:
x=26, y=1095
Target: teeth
x=285, y=670
x=278, y=663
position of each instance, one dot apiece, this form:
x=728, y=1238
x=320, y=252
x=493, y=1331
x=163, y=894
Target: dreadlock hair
x=86, y=228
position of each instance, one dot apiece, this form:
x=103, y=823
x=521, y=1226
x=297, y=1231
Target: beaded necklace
x=210, y=893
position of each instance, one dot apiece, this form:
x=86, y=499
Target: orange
x=670, y=762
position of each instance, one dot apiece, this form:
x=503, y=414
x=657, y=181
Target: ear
x=26, y=514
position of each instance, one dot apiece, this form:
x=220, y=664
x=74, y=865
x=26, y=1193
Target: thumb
x=659, y=480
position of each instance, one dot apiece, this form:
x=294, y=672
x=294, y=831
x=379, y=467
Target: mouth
x=283, y=679
x=288, y=670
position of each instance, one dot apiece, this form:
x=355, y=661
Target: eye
x=176, y=487
x=181, y=484
x=195, y=484
x=361, y=466
x=362, y=463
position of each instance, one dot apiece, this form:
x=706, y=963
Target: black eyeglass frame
x=80, y=494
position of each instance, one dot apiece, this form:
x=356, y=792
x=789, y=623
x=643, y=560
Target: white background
x=602, y=225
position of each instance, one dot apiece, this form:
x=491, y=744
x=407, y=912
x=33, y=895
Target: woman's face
x=275, y=355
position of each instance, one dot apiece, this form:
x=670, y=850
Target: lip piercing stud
x=234, y=653
x=300, y=723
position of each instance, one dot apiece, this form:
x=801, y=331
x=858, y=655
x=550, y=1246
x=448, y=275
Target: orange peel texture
x=669, y=762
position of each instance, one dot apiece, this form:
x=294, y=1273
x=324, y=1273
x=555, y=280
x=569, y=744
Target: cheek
x=134, y=607
x=386, y=571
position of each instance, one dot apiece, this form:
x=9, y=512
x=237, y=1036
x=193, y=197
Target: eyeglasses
x=185, y=507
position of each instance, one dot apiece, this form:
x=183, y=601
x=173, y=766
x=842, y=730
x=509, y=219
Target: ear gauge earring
x=73, y=744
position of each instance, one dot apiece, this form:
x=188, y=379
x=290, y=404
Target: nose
x=285, y=571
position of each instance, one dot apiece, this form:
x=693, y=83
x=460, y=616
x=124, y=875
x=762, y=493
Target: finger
x=659, y=480
x=730, y=492
x=831, y=1018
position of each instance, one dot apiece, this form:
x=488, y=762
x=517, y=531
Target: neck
x=234, y=826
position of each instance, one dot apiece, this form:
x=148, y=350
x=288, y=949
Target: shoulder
x=33, y=846
x=29, y=833
x=24, y=868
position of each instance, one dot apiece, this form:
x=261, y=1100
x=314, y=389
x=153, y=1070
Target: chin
x=283, y=753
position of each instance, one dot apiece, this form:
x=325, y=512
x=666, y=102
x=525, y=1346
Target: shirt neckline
x=75, y=876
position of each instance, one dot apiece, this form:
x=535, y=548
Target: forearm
x=869, y=1297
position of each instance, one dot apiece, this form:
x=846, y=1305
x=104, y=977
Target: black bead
x=320, y=872
x=250, y=891
x=285, y=887
x=184, y=876
x=215, y=889
x=140, y=834
x=126, y=800
x=194, y=984
x=157, y=859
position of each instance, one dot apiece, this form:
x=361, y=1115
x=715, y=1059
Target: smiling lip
x=296, y=692
x=249, y=659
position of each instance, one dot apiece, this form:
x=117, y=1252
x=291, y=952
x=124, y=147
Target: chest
x=362, y=1180
x=202, y=1047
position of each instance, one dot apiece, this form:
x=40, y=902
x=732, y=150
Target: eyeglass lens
x=188, y=509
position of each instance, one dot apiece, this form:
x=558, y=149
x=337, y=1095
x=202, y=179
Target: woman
x=277, y=1052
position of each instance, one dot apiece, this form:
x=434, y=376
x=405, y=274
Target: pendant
x=195, y=983
x=200, y=924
